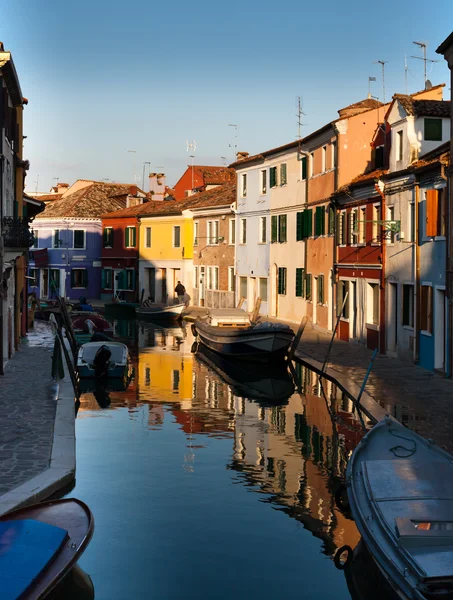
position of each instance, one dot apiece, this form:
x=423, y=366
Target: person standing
x=180, y=291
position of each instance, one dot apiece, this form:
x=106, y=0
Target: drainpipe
x=447, y=349
x=334, y=242
x=417, y=278
x=380, y=186
x=301, y=153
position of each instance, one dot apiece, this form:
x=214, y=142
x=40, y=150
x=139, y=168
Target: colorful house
x=198, y=178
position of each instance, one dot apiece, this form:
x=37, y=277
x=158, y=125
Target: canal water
x=209, y=480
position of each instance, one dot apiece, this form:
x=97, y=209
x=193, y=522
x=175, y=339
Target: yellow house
x=165, y=249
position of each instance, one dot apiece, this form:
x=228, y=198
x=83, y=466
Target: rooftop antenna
x=234, y=144
x=37, y=183
x=224, y=160
x=370, y=79
x=191, y=147
x=423, y=58
x=405, y=71
x=382, y=63
x=299, y=114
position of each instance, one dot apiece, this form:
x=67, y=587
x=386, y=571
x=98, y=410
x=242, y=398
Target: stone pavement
x=27, y=410
x=420, y=399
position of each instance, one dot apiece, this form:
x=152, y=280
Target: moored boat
x=104, y=359
x=173, y=311
x=230, y=332
x=40, y=545
x=400, y=491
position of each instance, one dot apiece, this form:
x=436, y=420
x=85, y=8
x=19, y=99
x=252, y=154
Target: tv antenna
x=382, y=63
x=423, y=58
x=299, y=115
x=191, y=147
x=37, y=183
x=234, y=143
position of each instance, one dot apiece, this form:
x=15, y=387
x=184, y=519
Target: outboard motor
x=101, y=361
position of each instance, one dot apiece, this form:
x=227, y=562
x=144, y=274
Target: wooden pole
x=297, y=338
x=241, y=302
x=333, y=334
x=256, y=310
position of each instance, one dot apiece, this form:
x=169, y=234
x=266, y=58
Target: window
x=436, y=210
x=35, y=238
x=308, y=286
x=107, y=278
x=282, y=223
x=274, y=229
x=209, y=278
x=213, y=233
x=148, y=237
x=195, y=277
x=333, y=155
x=362, y=225
x=373, y=304
x=283, y=179
x=300, y=280
x=108, y=237
x=304, y=223
x=79, y=278
x=341, y=230
x=320, y=220
x=213, y=278
x=442, y=212
x=56, y=242
x=232, y=229
x=177, y=236
x=282, y=281
x=391, y=217
x=412, y=221
x=427, y=308
x=263, y=230
x=320, y=289
x=33, y=275
x=244, y=185
x=263, y=289
x=243, y=287
x=263, y=181
x=312, y=164
x=376, y=223
x=342, y=291
x=196, y=233
x=433, y=130
x=303, y=165
x=324, y=159
x=55, y=280
x=399, y=145
x=243, y=231
x=353, y=227
x=231, y=280
x=408, y=305
x=273, y=177
x=130, y=236
x=79, y=238
x=379, y=156
x=130, y=279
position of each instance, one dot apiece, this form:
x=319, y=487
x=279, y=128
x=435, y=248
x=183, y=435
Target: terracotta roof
x=424, y=108
x=364, y=178
x=46, y=197
x=215, y=175
x=90, y=202
x=368, y=103
x=220, y=196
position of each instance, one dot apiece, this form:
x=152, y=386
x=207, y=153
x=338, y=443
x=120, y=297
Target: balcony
x=16, y=233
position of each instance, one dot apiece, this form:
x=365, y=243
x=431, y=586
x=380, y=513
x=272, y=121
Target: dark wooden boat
x=230, y=332
x=170, y=312
x=39, y=546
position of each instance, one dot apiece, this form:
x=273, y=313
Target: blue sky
x=104, y=77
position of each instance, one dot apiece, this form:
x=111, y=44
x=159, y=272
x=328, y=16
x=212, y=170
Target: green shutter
x=433, y=130
x=304, y=167
x=308, y=286
x=274, y=228
x=321, y=289
x=126, y=237
x=134, y=237
x=323, y=220
x=133, y=279
x=283, y=174
x=104, y=238
x=273, y=176
x=300, y=283
x=104, y=278
x=282, y=228
x=299, y=226
x=331, y=220
x=318, y=220
x=309, y=222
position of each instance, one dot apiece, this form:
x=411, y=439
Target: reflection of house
x=200, y=179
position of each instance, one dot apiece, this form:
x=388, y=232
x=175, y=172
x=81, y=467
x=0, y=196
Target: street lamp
x=143, y=176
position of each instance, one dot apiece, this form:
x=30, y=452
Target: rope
x=408, y=451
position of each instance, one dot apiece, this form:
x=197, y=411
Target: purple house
x=66, y=257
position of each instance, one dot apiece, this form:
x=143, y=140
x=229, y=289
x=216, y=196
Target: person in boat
x=180, y=290
x=84, y=305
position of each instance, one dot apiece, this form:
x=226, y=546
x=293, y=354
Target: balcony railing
x=16, y=232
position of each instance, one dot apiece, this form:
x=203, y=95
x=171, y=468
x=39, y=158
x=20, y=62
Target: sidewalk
x=420, y=399
x=33, y=417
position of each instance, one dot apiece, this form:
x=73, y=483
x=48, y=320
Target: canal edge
x=62, y=465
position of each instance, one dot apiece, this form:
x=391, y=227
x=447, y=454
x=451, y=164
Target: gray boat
x=400, y=491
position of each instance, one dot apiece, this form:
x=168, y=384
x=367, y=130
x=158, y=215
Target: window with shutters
x=108, y=237
x=312, y=164
x=232, y=231
x=432, y=212
x=320, y=220
x=274, y=229
x=195, y=276
x=283, y=179
x=54, y=280
x=213, y=233
x=196, y=233
x=263, y=289
x=214, y=278
x=243, y=231
x=408, y=305
x=341, y=229
x=308, y=286
x=320, y=289
x=299, y=226
x=342, y=291
x=130, y=279
x=130, y=236
x=107, y=278
x=442, y=212
x=324, y=159
x=303, y=166
x=244, y=185
x=362, y=226
x=35, y=238
x=331, y=220
x=412, y=221
x=373, y=303
x=300, y=280
x=79, y=278
x=353, y=227
x=231, y=280
x=79, y=239
x=33, y=274
x=56, y=241
x=391, y=235
x=263, y=230
x=282, y=222
x=399, y=145
x=433, y=130
x=177, y=236
x=282, y=281
x=376, y=223
x=427, y=308
x=263, y=181
x=307, y=225
x=333, y=154
x=273, y=177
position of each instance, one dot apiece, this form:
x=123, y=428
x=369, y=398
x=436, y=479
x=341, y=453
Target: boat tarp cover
x=117, y=350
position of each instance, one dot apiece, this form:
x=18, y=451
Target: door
x=392, y=318
x=116, y=282
x=439, y=330
x=152, y=284
x=44, y=283
x=164, y=285
x=201, y=285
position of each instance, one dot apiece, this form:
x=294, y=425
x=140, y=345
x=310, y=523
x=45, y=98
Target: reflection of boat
x=161, y=311
x=230, y=332
x=94, y=360
x=400, y=490
x=267, y=384
x=40, y=545
x=121, y=308
x=118, y=384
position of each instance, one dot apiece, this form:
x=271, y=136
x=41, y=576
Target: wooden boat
x=39, y=546
x=400, y=491
x=154, y=311
x=270, y=386
x=230, y=332
x=79, y=322
x=117, y=364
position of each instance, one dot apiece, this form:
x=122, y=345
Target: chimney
x=242, y=155
x=157, y=186
x=133, y=190
x=62, y=187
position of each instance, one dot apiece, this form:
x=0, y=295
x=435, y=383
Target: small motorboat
x=79, y=322
x=230, y=332
x=104, y=359
x=155, y=311
x=400, y=492
x=40, y=546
